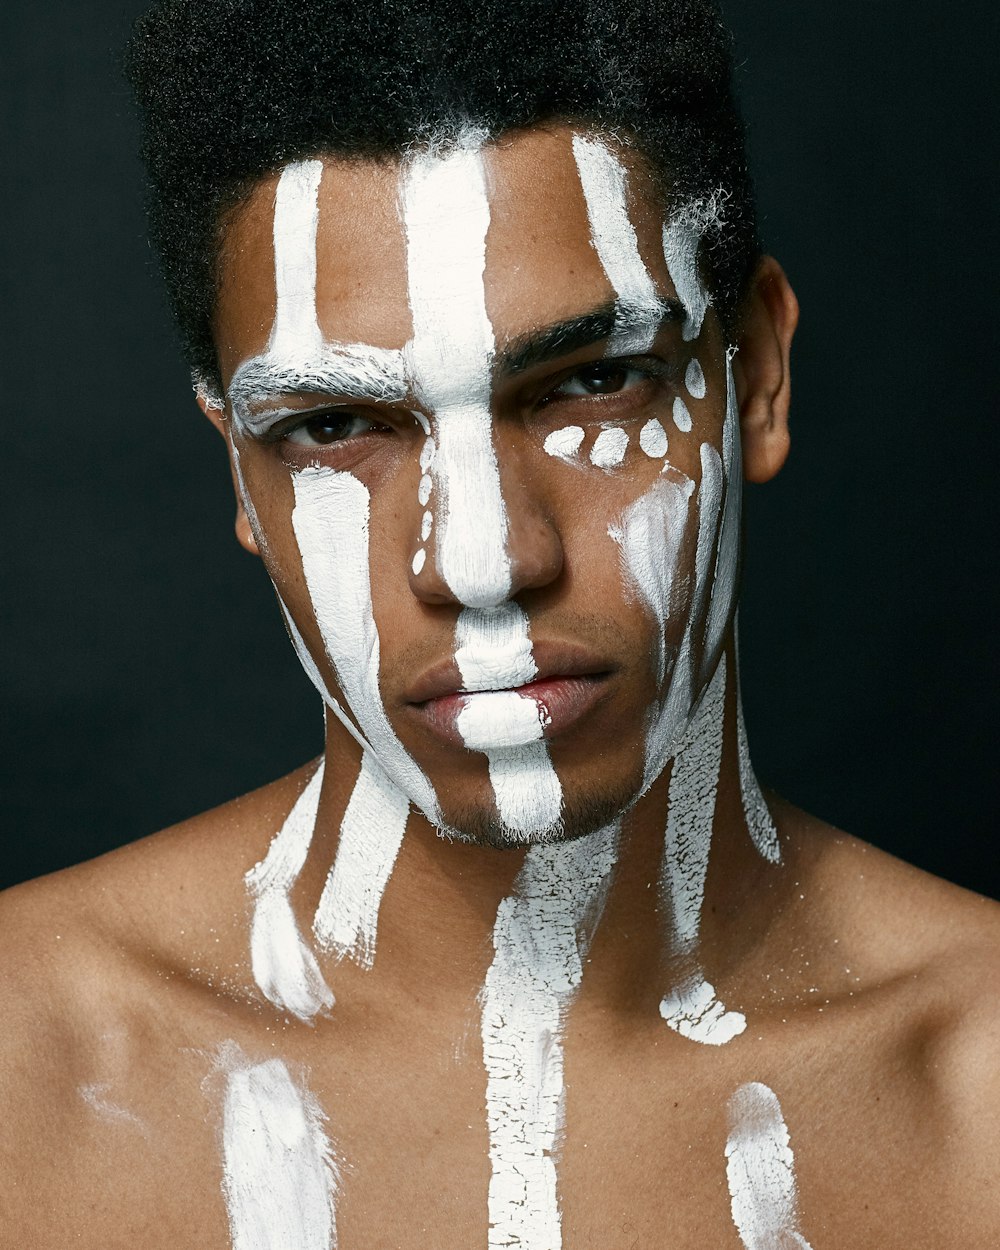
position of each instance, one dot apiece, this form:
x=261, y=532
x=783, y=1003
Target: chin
x=582, y=813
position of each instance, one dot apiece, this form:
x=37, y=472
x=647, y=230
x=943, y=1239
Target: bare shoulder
x=915, y=962
x=117, y=977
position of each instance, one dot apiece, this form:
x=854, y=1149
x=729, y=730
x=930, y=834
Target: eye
x=320, y=429
x=602, y=377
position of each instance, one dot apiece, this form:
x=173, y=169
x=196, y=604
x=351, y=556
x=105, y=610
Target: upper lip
x=552, y=659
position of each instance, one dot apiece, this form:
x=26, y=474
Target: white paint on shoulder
x=280, y=1176
x=540, y=939
x=283, y=964
x=564, y=443
x=605, y=189
x=609, y=447
x=371, y=834
x=692, y=1009
x=760, y=1169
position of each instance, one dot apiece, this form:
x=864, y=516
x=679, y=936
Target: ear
x=217, y=416
x=761, y=370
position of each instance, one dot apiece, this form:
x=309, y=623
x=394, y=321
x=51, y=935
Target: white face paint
x=541, y=937
x=564, y=443
x=761, y=1173
x=694, y=380
x=653, y=439
x=682, y=236
x=609, y=448
x=681, y=416
x=284, y=966
x=280, y=1178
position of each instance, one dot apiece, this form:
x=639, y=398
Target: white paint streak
x=446, y=216
x=284, y=966
x=371, y=834
x=605, y=189
x=426, y=522
x=653, y=439
x=682, y=418
x=330, y=521
x=694, y=379
x=493, y=651
x=280, y=1177
x=500, y=719
x=609, y=448
x=682, y=236
x=295, y=332
x=541, y=937
x=760, y=824
x=564, y=443
x=690, y=1008
x=95, y=1095
x=725, y=582
x=419, y=560
x=761, y=1172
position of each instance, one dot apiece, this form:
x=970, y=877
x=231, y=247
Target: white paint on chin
x=605, y=189
x=280, y=1178
x=500, y=719
x=609, y=448
x=541, y=938
x=760, y=1169
x=283, y=964
x=330, y=522
x=446, y=217
x=371, y=834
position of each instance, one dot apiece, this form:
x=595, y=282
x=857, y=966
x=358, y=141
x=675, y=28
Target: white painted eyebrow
x=345, y=370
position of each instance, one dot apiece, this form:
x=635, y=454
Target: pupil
x=326, y=428
x=603, y=379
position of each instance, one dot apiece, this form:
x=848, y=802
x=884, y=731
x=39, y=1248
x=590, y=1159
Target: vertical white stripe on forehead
x=280, y=1177
x=284, y=967
x=541, y=937
x=604, y=183
x=446, y=216
x=371, y=834
x=295, y=333
x=682, y=236
x=760, y=1169
x=330, y=522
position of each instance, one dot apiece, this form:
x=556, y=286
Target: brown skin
x=869, y=987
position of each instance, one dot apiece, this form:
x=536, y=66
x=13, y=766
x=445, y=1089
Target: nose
x=491, y=536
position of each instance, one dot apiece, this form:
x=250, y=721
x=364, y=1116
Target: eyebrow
x=539, y=347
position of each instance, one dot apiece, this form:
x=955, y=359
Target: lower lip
x=564, y=701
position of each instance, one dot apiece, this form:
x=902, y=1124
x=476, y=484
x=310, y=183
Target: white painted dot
x=425, y=526
x=419, y=560
x=427, y=455
x=694, y=379
x=682, y=418
x=653, y=439
x=424, y=490
x=609, y=448
x=564, y=442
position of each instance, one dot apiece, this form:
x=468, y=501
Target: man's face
x=481, y=423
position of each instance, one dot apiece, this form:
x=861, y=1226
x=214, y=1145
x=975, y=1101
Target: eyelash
x=648, y=368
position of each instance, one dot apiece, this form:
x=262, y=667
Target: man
x=526, y=959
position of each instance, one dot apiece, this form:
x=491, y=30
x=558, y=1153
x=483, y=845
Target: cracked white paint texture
x=691, y=1008
x=609, y=448
x=284, y=965
x=541, y=936
x=694, y=379
x=605, y=190
x=681, y=416
x=371, y=834
x=446, y=216
x=760, y=1169
x=653, y=439
x=564, y=443
x=280, y=1175
x=493, y=650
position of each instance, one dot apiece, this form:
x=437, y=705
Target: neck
x=671, y=901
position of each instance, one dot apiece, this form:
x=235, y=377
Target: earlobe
x=761, y=371
x=217, y=416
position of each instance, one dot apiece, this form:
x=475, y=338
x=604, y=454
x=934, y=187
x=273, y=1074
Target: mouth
x=566, y=688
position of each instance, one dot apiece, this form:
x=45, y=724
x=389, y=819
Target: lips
x=568, y=685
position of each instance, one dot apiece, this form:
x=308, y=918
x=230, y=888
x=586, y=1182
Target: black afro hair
x=230, y=90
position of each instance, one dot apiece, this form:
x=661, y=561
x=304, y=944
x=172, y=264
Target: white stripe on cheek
x=760, y=1169
x=280, y=1177
x=330, y=522
x=446, y=215
x=295, y=332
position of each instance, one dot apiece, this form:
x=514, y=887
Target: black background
x=146, y=675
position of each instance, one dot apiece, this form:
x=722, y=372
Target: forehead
x=541, y=265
